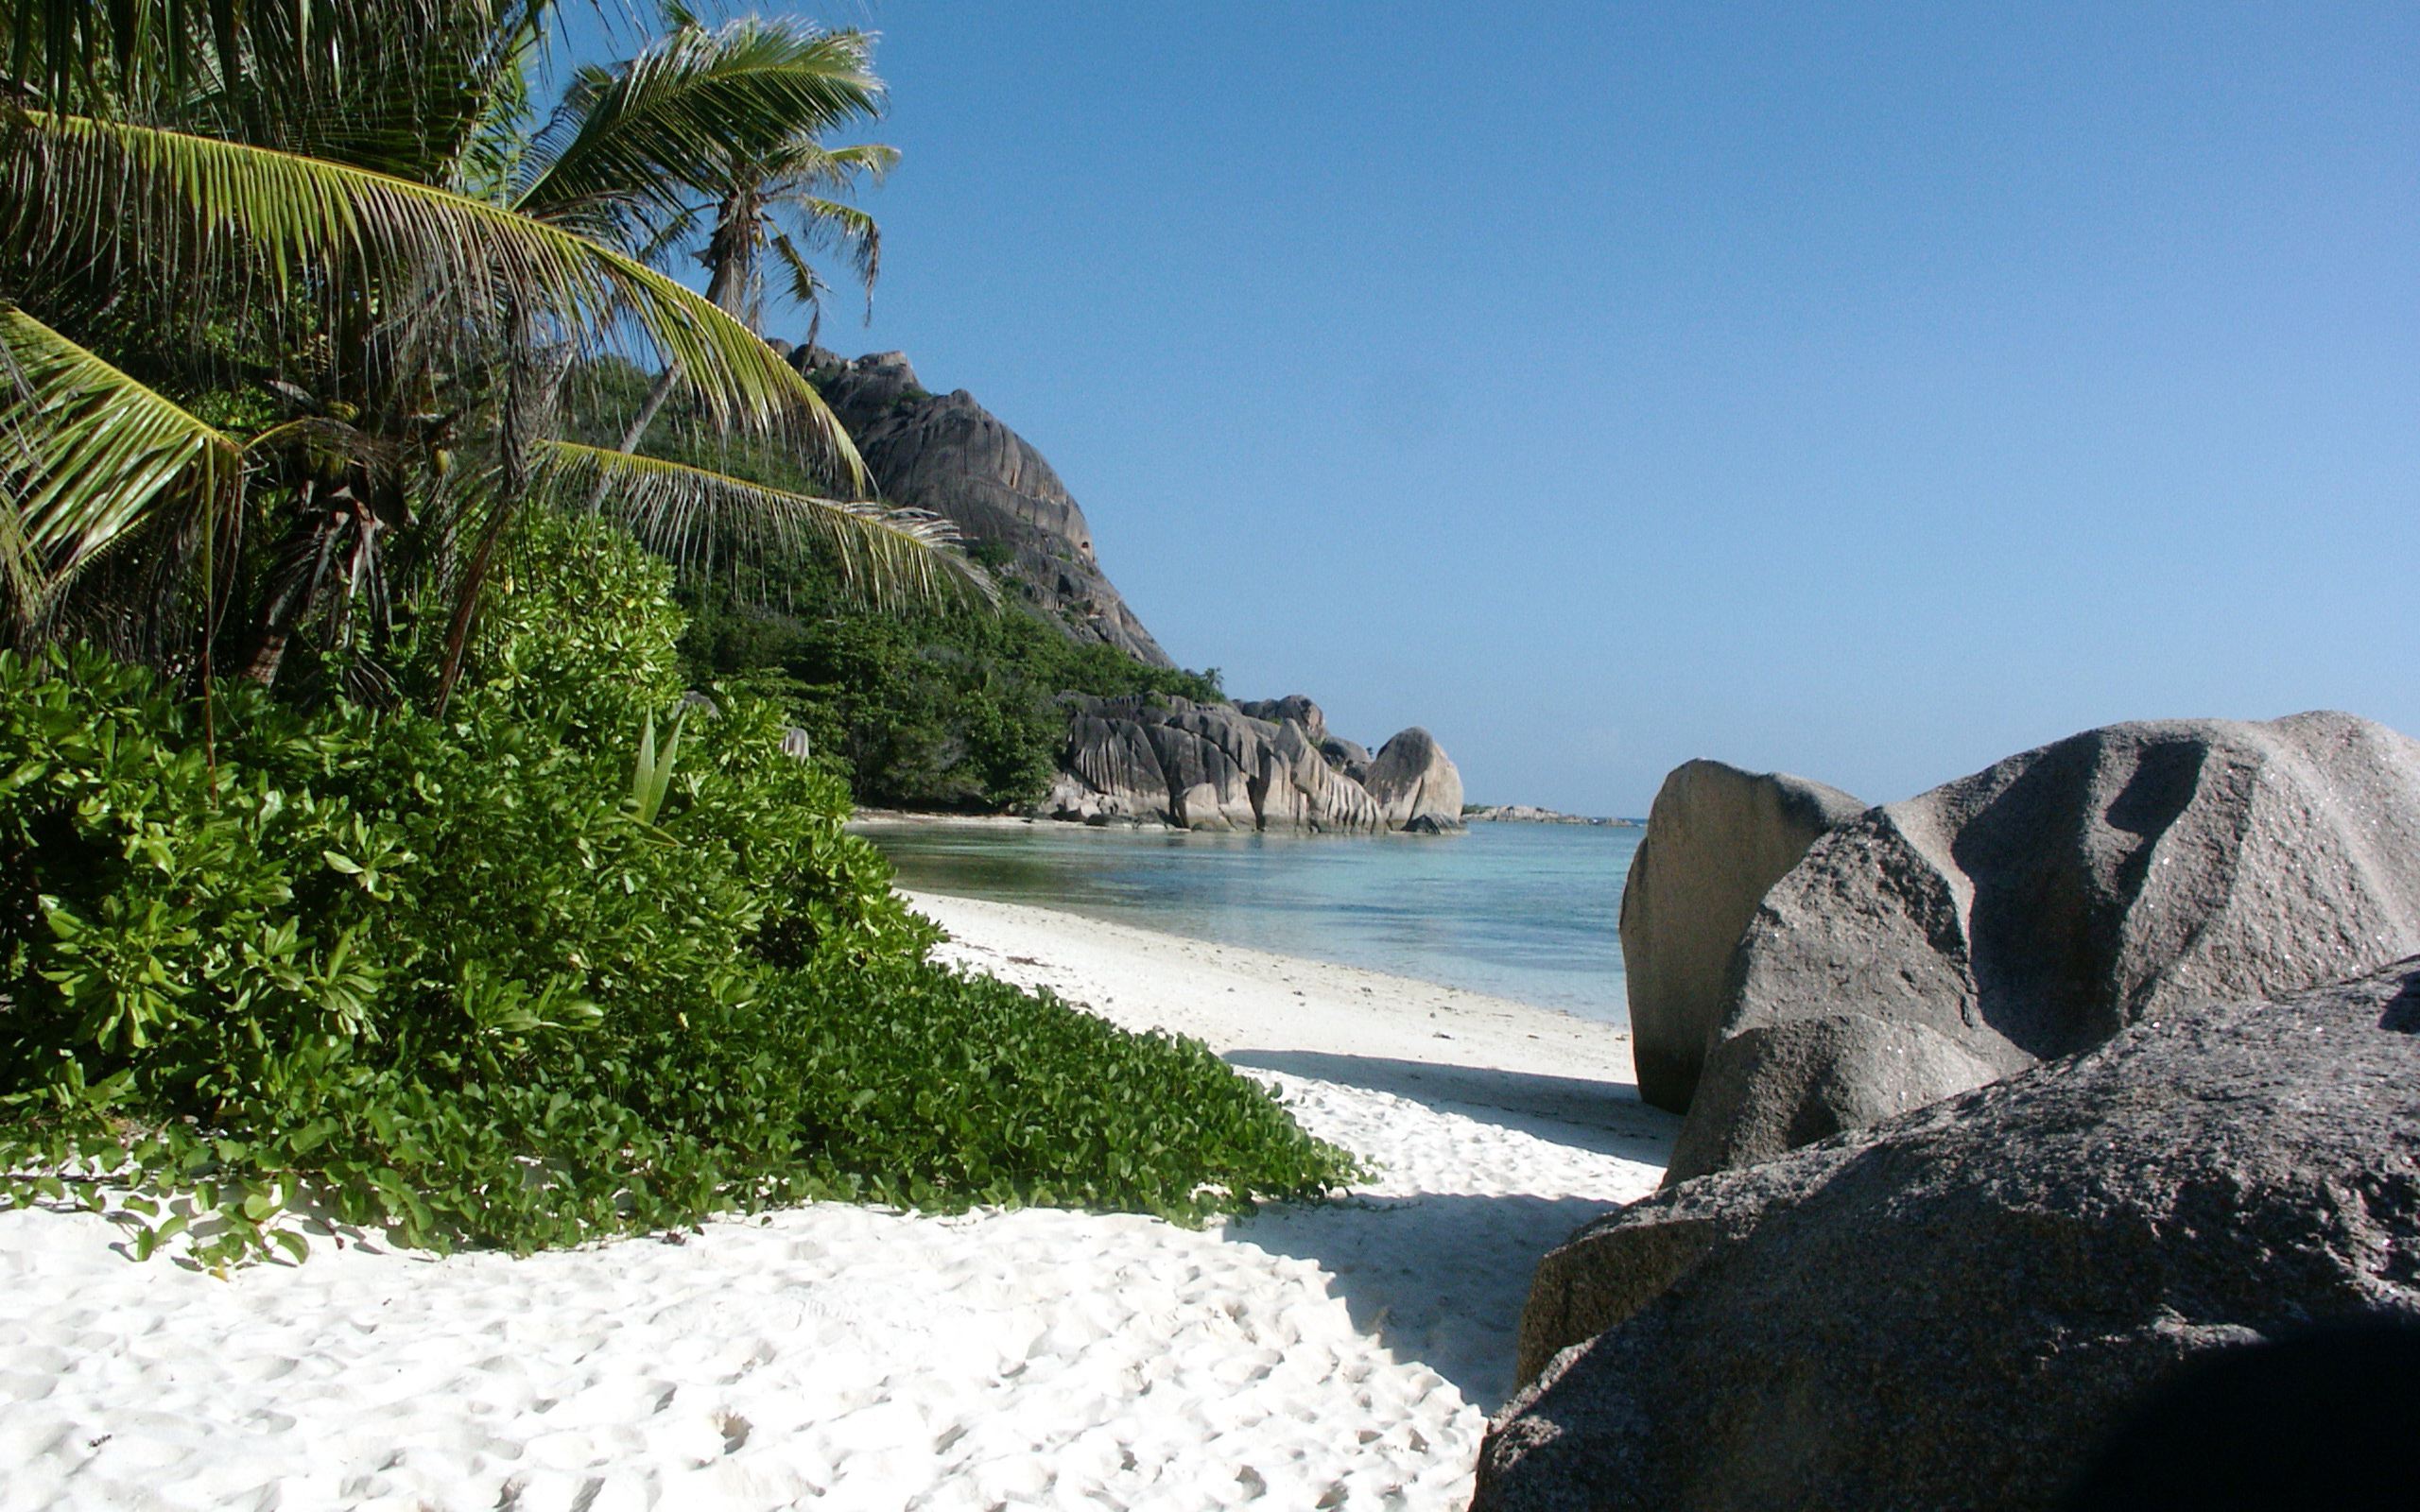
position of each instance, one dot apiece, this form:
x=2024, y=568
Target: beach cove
x=1344, y=1354
x=1509, y=910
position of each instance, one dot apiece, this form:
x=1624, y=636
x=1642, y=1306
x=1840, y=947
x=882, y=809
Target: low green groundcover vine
x=489, y=979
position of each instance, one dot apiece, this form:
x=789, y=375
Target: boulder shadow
x=1434, y=1277
x=1604, y=1117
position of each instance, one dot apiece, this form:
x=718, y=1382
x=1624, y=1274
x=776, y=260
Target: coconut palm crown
x=288, y=293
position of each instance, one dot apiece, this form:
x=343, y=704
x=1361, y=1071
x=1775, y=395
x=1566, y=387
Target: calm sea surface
x=1522, y=911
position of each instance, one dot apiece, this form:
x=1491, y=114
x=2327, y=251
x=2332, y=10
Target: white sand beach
x=1335, y=1355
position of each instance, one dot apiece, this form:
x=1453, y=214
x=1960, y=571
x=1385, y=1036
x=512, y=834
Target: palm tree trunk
x=290, y=601
x=645, y=416
x=525, y=402
x=726, y=285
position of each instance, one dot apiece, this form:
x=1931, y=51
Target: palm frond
x=806, y=286
x=395, y=85
x=79, y=195
x=830, y=224
x=808, y=164
x=688, y=515
x=88, y=457
x=680, y=227
x=636, y=140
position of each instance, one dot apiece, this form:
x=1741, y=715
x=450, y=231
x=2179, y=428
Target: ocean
x=1520, y=911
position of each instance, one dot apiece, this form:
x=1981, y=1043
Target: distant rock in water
x=949, y=455
x=1148, y=759
x=2038, y=907
x=1532, y=814
x=1416, y=786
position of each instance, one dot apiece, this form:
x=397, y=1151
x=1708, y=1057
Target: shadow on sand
x=1436, y=1279
x=1440, y=1278
x=1604, y=1116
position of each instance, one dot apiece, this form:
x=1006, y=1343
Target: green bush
x=932, y=710
x=580, y=627
x=450, y=976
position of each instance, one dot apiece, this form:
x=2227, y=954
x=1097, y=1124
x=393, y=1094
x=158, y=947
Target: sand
x=1336, y=1355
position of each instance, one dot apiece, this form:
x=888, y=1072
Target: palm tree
x=301, y=256
x=775, y=196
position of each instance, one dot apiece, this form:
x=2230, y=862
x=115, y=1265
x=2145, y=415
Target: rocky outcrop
x=1350, y=757
x=1294, y=706
x=1219, y=767
x=2038, y=907
x=949, y=455
x=1717, y=839
x=1948, y=1310
x=1532, y=814
x=1268, y=764
x=1415, y=785
x=1299, y=790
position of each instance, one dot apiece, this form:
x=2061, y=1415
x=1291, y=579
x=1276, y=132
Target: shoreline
x=914, y=818
x=1484, y=814
x=1522, y=916
x=1340, y=1353
x=1383, y=1032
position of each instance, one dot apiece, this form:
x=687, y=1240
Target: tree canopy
x=289, y=295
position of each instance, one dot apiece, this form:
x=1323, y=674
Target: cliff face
x=1267, y=765
x=949, y=455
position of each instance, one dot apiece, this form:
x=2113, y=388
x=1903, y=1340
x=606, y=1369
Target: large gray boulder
x=1350, y=757
x=1717, y=837
x=1841, y=1071
x=1294, y=706
x=1297, y=789
x=949, y=455
x=2038, y=907
x=1214, y=766
x=1416, y=785
x=1948, y=1310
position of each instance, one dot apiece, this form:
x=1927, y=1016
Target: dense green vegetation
x=929, y=706
x=443, y=912
x=477, y=979
x=294, y=290
x=923, y=710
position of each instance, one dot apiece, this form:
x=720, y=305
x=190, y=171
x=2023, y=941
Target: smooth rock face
x=2036, y=908
x=1717, y=839
x=1350, y=757
x=1211, y=767
x=1416, y=783
x=1950, y=1309
x=1297, y=789
x=947, y=454
x=1777, y=1086
x=1293, y=706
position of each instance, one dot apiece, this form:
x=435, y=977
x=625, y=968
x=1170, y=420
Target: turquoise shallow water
x=1522, y=911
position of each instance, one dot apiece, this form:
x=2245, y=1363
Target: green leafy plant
x=652, y=775
x=926, y=709
x=429, y=973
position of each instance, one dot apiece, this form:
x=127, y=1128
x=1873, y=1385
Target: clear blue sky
x=1867, y=391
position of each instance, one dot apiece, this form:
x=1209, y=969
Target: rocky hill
x=949, y=455
x=1148, y=759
